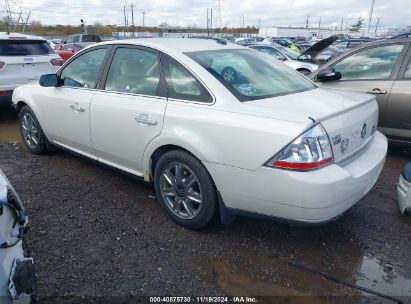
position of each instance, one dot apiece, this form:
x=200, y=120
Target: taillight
x=2, y=64
x=57, y=61
x=309, y=151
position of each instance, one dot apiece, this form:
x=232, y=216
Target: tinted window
x=24, y=47
x=83, y=71
x=407, y=74
x=134, y=71
x=69, y=39
x=91, y=38
x=76, y=38
x=374, y=63
x=250, y=75
x=181, y=84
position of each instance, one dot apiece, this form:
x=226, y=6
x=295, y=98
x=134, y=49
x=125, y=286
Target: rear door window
x=24, y=47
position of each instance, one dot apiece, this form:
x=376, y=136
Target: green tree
x=356, y=27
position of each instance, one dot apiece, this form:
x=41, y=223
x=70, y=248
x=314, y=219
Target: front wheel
x=185, y=189
x=31, y=131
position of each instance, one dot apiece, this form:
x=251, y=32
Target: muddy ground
x=98, y=232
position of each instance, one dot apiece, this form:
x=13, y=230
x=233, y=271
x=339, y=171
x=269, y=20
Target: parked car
x=281, y=41
x=81, y=38
x=223, y=127
x=320, y=52
x=381, y=68
x=68, y=50
x=324, y=55
x=23, y=58
x=17, y=278
x=288, y=56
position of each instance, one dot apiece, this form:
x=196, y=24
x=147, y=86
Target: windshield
x=289, y=52
x=24, y=47
x=251, y=75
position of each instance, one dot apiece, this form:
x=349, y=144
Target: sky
x=394, y=13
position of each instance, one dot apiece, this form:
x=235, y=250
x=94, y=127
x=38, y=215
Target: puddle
x=383, y=279
x=9, y=132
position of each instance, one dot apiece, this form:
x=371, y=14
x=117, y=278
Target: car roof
x=181, y=45
x=18, y=36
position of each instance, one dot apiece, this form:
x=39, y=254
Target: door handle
x=377, y=91
x=145, y=119
x=76, y=107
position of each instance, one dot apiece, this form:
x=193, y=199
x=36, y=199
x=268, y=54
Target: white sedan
x=218, y=128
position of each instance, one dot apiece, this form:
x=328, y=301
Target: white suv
x=23, y=59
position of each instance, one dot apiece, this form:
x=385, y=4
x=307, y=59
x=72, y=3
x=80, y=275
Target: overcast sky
x=394, y=13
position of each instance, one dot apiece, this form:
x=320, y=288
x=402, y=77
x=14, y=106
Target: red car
x=68, y=50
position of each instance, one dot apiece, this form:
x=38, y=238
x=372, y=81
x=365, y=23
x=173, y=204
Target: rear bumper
x=5, y=97
x=311, y=197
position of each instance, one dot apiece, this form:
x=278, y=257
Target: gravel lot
x=98, y=232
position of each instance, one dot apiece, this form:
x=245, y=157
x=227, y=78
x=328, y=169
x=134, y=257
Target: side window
x=407, y=74
x=273, y=52
x=181, y=84
x=69, y=39
x=374, y=63
x=76, y=38
x=134, y=71
x=83, y=71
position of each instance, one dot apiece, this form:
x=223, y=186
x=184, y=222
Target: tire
x=229, y=74
x=31, y=132
x=181, y=181
x=305, y=72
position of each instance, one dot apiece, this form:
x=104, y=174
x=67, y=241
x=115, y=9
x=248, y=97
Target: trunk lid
x=350, y=119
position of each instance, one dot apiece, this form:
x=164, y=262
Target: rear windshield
x=251, y=75
x=91, y=38
x=24, y=47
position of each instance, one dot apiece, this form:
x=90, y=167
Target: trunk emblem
x=344, y=145
x=363, y=130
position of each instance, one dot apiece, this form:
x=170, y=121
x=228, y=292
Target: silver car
x=288, y=56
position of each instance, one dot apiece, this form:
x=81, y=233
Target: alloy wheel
x=30, y=131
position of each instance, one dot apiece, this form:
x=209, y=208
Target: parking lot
x=98, y=232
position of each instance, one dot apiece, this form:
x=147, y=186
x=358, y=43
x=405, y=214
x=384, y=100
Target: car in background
x=56, y=41
x=288, y=56
x=17, y=276
x=220, y=129
x=23, y=59
x=321, y=51
x=68, y=50
x=281, y=41
x=381, y=68
x=81, y=38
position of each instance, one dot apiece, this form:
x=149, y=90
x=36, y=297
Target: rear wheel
x=31, y=131
x=185, y=189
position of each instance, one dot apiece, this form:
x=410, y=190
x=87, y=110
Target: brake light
x=311, y=150
x=57, y=61
x=4, y=92
x=2, y=64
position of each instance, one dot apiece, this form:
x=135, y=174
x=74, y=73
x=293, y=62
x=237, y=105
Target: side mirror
x=49, y=80
x=328, y=74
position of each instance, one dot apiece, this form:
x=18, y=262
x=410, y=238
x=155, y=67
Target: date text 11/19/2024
x=203, y=300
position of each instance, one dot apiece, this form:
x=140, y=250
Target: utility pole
x=243, y=20
x=143, y=13
x=319, y=27
x=376, y=26
x=342, y=23
x=306, y=21
x=259, y=23
x=208, y=21
x=125, y=21
x=132, y=17
x=27, y=20
x=219, y=17
x=17, y=23
x=370, y=15
x=211, y=19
